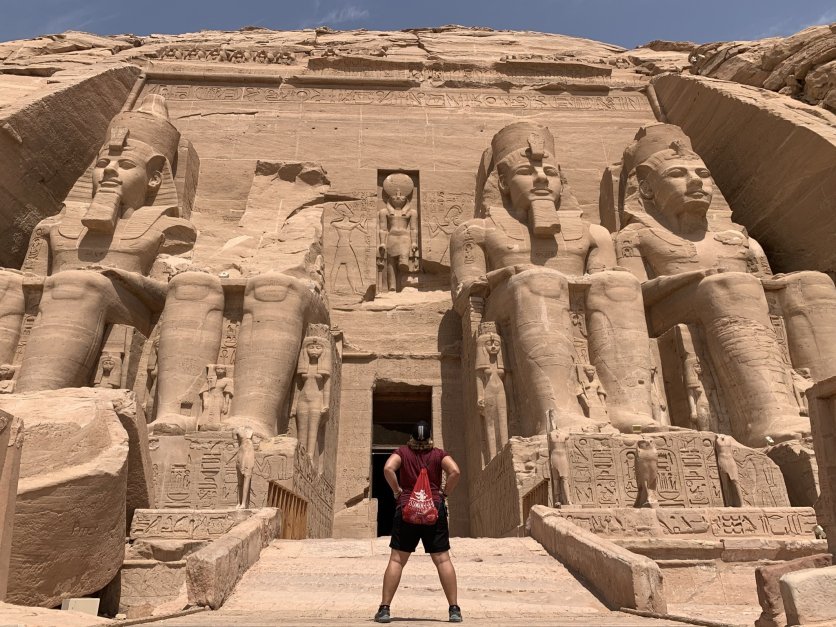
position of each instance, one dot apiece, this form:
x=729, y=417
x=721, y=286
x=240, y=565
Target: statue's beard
x=103, y=211
x=543, y=216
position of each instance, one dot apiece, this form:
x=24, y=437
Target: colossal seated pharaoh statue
x=713, y=278
x=547, y=278
x=96, y=256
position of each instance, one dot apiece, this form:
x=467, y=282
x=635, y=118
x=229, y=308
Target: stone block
x=769, y=591
x=809, y=595
x=622, y=578
x=147, y=584
x=69, y=526
x=185, y=524
x=822, y=398
x=212, y=572
x=11, y=441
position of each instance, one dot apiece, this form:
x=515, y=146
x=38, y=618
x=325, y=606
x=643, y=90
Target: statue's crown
x=398, y=183
x=532, y=140
x=149, y=125
x=655, y=143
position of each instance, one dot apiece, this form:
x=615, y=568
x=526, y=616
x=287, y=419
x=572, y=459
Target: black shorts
x=435, y=538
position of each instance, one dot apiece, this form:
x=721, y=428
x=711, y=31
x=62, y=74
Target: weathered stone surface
x=185, y=524
x=769, y=591
x=11, y=442
x=69, y=525
x=212, y=572
x=622, y=578
x=808, y=595
x=50, y=130
x=784, y=64
x=754, y=136
x=147, y=584
x=823, y=421
x=797, y=461
x=601, y=472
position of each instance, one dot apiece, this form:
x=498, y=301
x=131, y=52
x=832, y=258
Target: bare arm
x=628, y=253
x=451, y=469
x=389, y=469
x=468, y=264
x=602, y=252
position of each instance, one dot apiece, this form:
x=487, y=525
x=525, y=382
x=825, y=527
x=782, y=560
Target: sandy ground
x=510, y=581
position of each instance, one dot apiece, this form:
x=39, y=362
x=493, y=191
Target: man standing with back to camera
x=410, y=459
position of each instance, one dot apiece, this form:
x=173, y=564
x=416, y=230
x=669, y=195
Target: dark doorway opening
x=396, y=407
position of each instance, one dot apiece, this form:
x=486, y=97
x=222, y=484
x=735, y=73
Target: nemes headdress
x=149, y=126
x=525, y=139
x=653, y=145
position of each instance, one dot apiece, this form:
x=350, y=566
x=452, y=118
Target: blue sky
x=624, y=22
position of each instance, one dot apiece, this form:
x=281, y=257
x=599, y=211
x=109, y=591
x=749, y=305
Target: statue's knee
x=76, y=285
x=11, y=288
x=809, y=286
x=551, y=285
x=195, y=286
x=273, y=287
x=736, y=282
x=615, y=286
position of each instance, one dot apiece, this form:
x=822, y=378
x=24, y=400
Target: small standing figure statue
x=802, y=381
x=244, y=464
x=647, y=474
x=312, y=399
x=659, y=406
x=727, y=467
x=558, y=463
x=397, y=233
x=215, y=398
x=699, y=411
x=7, y=382
x=591, y=394
x=493, y=386
x=110, y=372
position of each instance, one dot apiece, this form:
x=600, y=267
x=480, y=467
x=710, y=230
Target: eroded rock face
x=800, y=65
x=69, y=526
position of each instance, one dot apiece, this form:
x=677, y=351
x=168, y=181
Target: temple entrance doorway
x=396, y=407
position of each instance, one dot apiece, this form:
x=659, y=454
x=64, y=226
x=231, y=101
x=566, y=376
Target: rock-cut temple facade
x=237, y=267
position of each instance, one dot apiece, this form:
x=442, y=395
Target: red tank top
x=411, y=464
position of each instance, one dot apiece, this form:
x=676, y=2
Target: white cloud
x=348, y=13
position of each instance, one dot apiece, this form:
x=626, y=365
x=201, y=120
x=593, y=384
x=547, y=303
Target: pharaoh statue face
x=130, y=172
x=314, y=349
x=590, y=372
x=220, y=372
x=6, y=372
x=679, y=186
x=493, y=344
x=211, y=378
x=108, y=364
x=525, y=180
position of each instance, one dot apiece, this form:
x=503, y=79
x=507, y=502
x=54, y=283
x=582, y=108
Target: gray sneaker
x=382, y=615
x=455, y=614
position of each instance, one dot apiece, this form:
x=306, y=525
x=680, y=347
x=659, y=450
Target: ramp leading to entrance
x=507, y=581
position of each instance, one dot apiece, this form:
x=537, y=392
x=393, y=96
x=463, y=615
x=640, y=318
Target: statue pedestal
x=198, y=471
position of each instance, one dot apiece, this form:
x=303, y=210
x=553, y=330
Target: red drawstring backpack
x=420, y=509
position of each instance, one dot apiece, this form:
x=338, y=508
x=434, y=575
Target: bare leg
x=447, y=575
x=392, y=273
x=12, y=304
x=392, y=576
x=190, y=338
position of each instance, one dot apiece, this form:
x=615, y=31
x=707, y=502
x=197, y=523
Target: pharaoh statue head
x=663, y=176
x=139, y=153
x=520, y=171
x=316, y=349
x=489, y=346
x=397, y=189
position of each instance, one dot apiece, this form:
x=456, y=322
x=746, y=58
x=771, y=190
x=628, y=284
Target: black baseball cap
x=421, y=431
